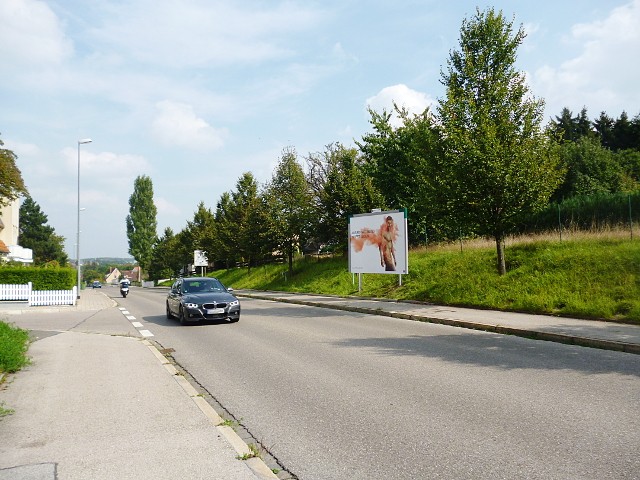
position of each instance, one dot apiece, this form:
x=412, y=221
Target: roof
x=4, y=248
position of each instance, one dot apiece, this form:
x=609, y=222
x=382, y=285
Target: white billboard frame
x=200, y=258
x=379, y=242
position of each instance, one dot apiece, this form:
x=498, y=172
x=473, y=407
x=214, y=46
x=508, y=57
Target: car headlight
x=235, y=303
x=191, y=305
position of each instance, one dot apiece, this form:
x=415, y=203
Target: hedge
x=48, y=278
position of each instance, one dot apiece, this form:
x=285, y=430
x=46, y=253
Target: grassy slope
x=582, y=278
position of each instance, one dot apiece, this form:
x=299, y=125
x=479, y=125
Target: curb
x=255, y=464
x=518, y=332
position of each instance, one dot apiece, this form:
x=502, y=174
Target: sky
x=194, y=93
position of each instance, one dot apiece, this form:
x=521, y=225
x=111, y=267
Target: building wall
x=10, y=216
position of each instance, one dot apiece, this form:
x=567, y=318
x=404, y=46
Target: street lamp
x=80, y=142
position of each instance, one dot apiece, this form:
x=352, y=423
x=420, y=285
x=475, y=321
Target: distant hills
x=109, y=261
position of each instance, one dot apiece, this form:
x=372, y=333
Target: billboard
x=378, y=242
x=200, y=258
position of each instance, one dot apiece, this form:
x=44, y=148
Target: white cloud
x=31, y=34
x=166, y=207
x=176, y=124
x=190, y=33
x=105, y=166
x=604, y=74
x=413, y=101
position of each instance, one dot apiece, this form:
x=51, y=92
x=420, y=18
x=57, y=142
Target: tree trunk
x=502, y=268
x=290, y=253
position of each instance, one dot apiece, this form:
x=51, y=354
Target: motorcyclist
x=124, y=286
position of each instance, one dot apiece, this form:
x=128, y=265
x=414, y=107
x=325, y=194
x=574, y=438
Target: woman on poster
x=388, y=235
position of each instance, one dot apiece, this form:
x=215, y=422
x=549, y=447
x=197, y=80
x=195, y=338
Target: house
x=9, y=230
x=113, y=276
x=133, y=275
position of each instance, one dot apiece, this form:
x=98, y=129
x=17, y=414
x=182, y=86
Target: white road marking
x=138, y=325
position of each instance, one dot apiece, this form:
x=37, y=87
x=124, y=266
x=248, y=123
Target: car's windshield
x=196, y=286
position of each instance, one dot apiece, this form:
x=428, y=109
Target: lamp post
x=80, y=142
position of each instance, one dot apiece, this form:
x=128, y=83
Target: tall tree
x=166, y=259
x=11, y=183
x=500, y=164
x=245, y=218
x=565, y=126
x=225, y=251
x=40, y=237
x=141, y=221
x=201, y=232
x=623, y=133
x=340, y=188
x=289, y=201
x=403, y=162
x=604, y=130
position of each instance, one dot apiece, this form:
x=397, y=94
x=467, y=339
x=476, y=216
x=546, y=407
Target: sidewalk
x=100, y=402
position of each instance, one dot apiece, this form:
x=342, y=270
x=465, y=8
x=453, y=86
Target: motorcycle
x=124, y=290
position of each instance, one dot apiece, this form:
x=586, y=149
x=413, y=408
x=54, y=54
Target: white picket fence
x=15, y=292
x=37, y=297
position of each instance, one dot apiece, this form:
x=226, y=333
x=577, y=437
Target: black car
x=202, y=298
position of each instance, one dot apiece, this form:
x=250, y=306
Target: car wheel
x=169, y=314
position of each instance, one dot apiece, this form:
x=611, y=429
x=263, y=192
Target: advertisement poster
x=378, y=243
x=200, y=258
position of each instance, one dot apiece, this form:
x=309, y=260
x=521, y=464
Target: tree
x=201, y=232
x=37, y=235
x=623, y=133
x=604, y=130
x=245, y=219
x=289, y=201
x=404, y=163
x=340, y=188
x=141, y=221
x=11, y=183
x=629, y=161
x=572, y=128
x=591, y=169
x=166, y=260
x=500, y=165
x=225, y=252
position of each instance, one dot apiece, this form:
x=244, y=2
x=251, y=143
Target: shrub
x=14, y=343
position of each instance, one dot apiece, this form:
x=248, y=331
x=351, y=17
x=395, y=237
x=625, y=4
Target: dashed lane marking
x=138, y=325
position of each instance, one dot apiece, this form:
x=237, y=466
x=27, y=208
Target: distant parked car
x=96, y=284
x=202, y=298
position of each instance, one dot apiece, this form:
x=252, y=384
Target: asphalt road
x=338, y=395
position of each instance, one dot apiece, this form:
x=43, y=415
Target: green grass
x=14, y=343
x=585, y=278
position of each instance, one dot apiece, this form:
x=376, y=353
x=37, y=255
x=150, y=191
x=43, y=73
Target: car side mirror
x=229, y=289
